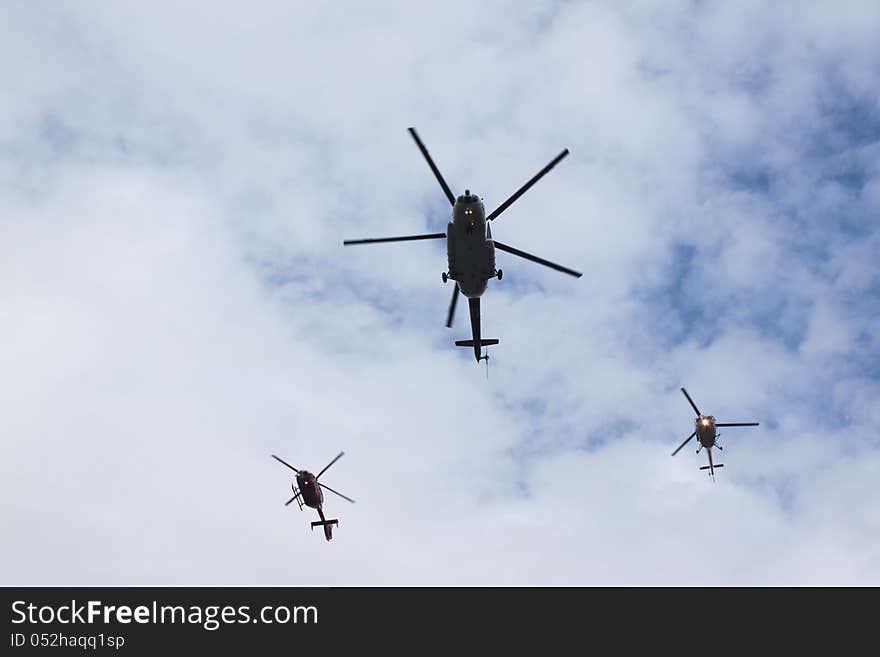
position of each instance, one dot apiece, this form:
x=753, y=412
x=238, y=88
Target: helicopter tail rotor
x=326, y=524
x=712, y=465
x=711, y=469
x=485, y=357
x=485, y=342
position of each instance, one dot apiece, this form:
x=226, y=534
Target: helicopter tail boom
x=326, y=524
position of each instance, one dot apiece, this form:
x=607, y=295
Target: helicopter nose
x=468, y=197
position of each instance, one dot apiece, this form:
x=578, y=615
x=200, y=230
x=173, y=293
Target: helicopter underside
x=706, y=436
x=309, y=490
x=471, y=258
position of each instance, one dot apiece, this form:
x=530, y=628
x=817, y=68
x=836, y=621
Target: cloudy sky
x=176, y=180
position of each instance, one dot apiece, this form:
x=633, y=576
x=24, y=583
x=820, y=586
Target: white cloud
x=174, y=188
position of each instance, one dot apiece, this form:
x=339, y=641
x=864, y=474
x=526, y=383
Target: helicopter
x=307, y=492
x=704, y=430
x=470, y=248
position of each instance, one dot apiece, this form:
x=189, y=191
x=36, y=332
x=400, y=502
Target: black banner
x=144, y=620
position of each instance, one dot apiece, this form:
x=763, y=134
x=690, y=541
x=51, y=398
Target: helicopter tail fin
x=485, y=342
x=327, y=525
x=715, y=465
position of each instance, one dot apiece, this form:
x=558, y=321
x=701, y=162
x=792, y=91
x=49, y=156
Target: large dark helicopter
x=470, y=248
x=307, y=492
x=704, y=430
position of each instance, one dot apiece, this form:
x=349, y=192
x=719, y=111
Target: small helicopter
x=307, y=492
x=470, y=248
x=704, y=430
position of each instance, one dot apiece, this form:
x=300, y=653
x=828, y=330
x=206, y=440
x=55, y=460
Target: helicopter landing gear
x=445, y=277
x=499, y=274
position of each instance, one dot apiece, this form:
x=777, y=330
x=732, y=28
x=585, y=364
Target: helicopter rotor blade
x=685, y=392
x=402, y=238
x=534, y=258
x=737, y=424
x=686, y=441
x=338, y=456
x=522, y=190
x=280, y=460
x=437, y=174
x=451, y=314
x=291, y=499
x=345, y=497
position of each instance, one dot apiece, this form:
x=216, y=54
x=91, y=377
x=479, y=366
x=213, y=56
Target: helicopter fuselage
x=469, y=249
x=706, y=432
x=310, y=491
